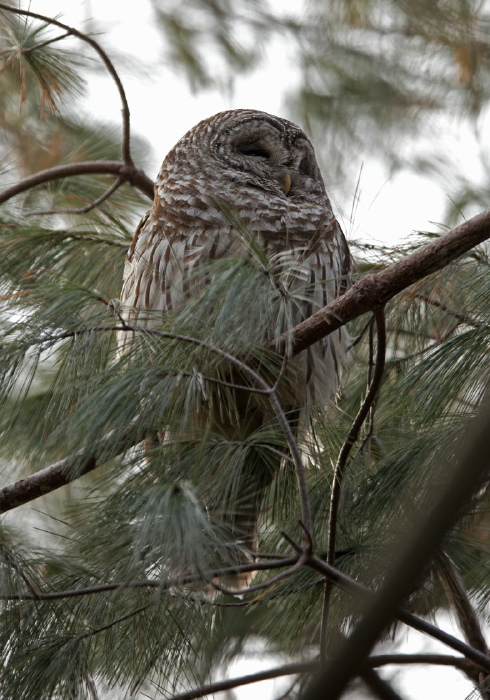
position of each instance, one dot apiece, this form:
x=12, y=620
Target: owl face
x=269, y=153
x=246, y=151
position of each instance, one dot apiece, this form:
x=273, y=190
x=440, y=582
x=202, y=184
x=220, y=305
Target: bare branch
x=260, y=586
x=378, y=686
x=127, y=173
x=463, y=318
x=126, y=147
x=68, y=469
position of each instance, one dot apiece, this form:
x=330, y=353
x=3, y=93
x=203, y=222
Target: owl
x=244, y=171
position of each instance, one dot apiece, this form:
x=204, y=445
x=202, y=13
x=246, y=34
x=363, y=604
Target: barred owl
x=260, y=170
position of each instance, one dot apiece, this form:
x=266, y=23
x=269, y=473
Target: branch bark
x=68, y=469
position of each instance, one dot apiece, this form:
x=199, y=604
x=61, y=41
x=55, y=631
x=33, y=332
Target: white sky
x=163, y=109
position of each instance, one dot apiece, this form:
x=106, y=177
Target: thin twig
x=157, y=584
x=118, y=621
x=463, y=318
x=361, y=335
x=340, y=466
x=126, y=147
x=84, y=210
x=128, y=173
x=10, y=561
x=260, y=586
x=42, y=44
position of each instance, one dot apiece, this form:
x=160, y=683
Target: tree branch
x=376, y=290
x=356, y=589
x=68, y=469
x=267, y=565
x=83, y=210
x=126, y=147
x=364, y=296
x=127, y=173
x=313, y=666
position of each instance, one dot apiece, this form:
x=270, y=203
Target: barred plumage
x=260, y=171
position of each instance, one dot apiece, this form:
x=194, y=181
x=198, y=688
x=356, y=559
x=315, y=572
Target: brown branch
x=378, y=686
x=376, y=290
x=127, y=173
x=126, y=147
x=341, y=464
x=300, y=667
x=260, y=586
x=48, y=42
x=68, y=469
x=364, y=296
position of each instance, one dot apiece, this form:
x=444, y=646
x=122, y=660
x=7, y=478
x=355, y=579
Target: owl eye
x=254, y=151
x=307, y=167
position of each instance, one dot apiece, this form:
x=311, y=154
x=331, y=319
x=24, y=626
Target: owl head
x=250, y=149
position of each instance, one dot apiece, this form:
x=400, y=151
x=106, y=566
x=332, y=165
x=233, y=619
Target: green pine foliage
x=133, y=545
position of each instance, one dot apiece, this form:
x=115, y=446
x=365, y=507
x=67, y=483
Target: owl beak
x=286, y=183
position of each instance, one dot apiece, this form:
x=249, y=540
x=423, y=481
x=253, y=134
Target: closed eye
x=255, y=152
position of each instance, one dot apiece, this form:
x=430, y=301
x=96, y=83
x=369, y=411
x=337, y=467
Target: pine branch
x=441, y=507
x=71, y=31
x=83, y=210
x=364, y=296
x=266, y=565
x=68, y=469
